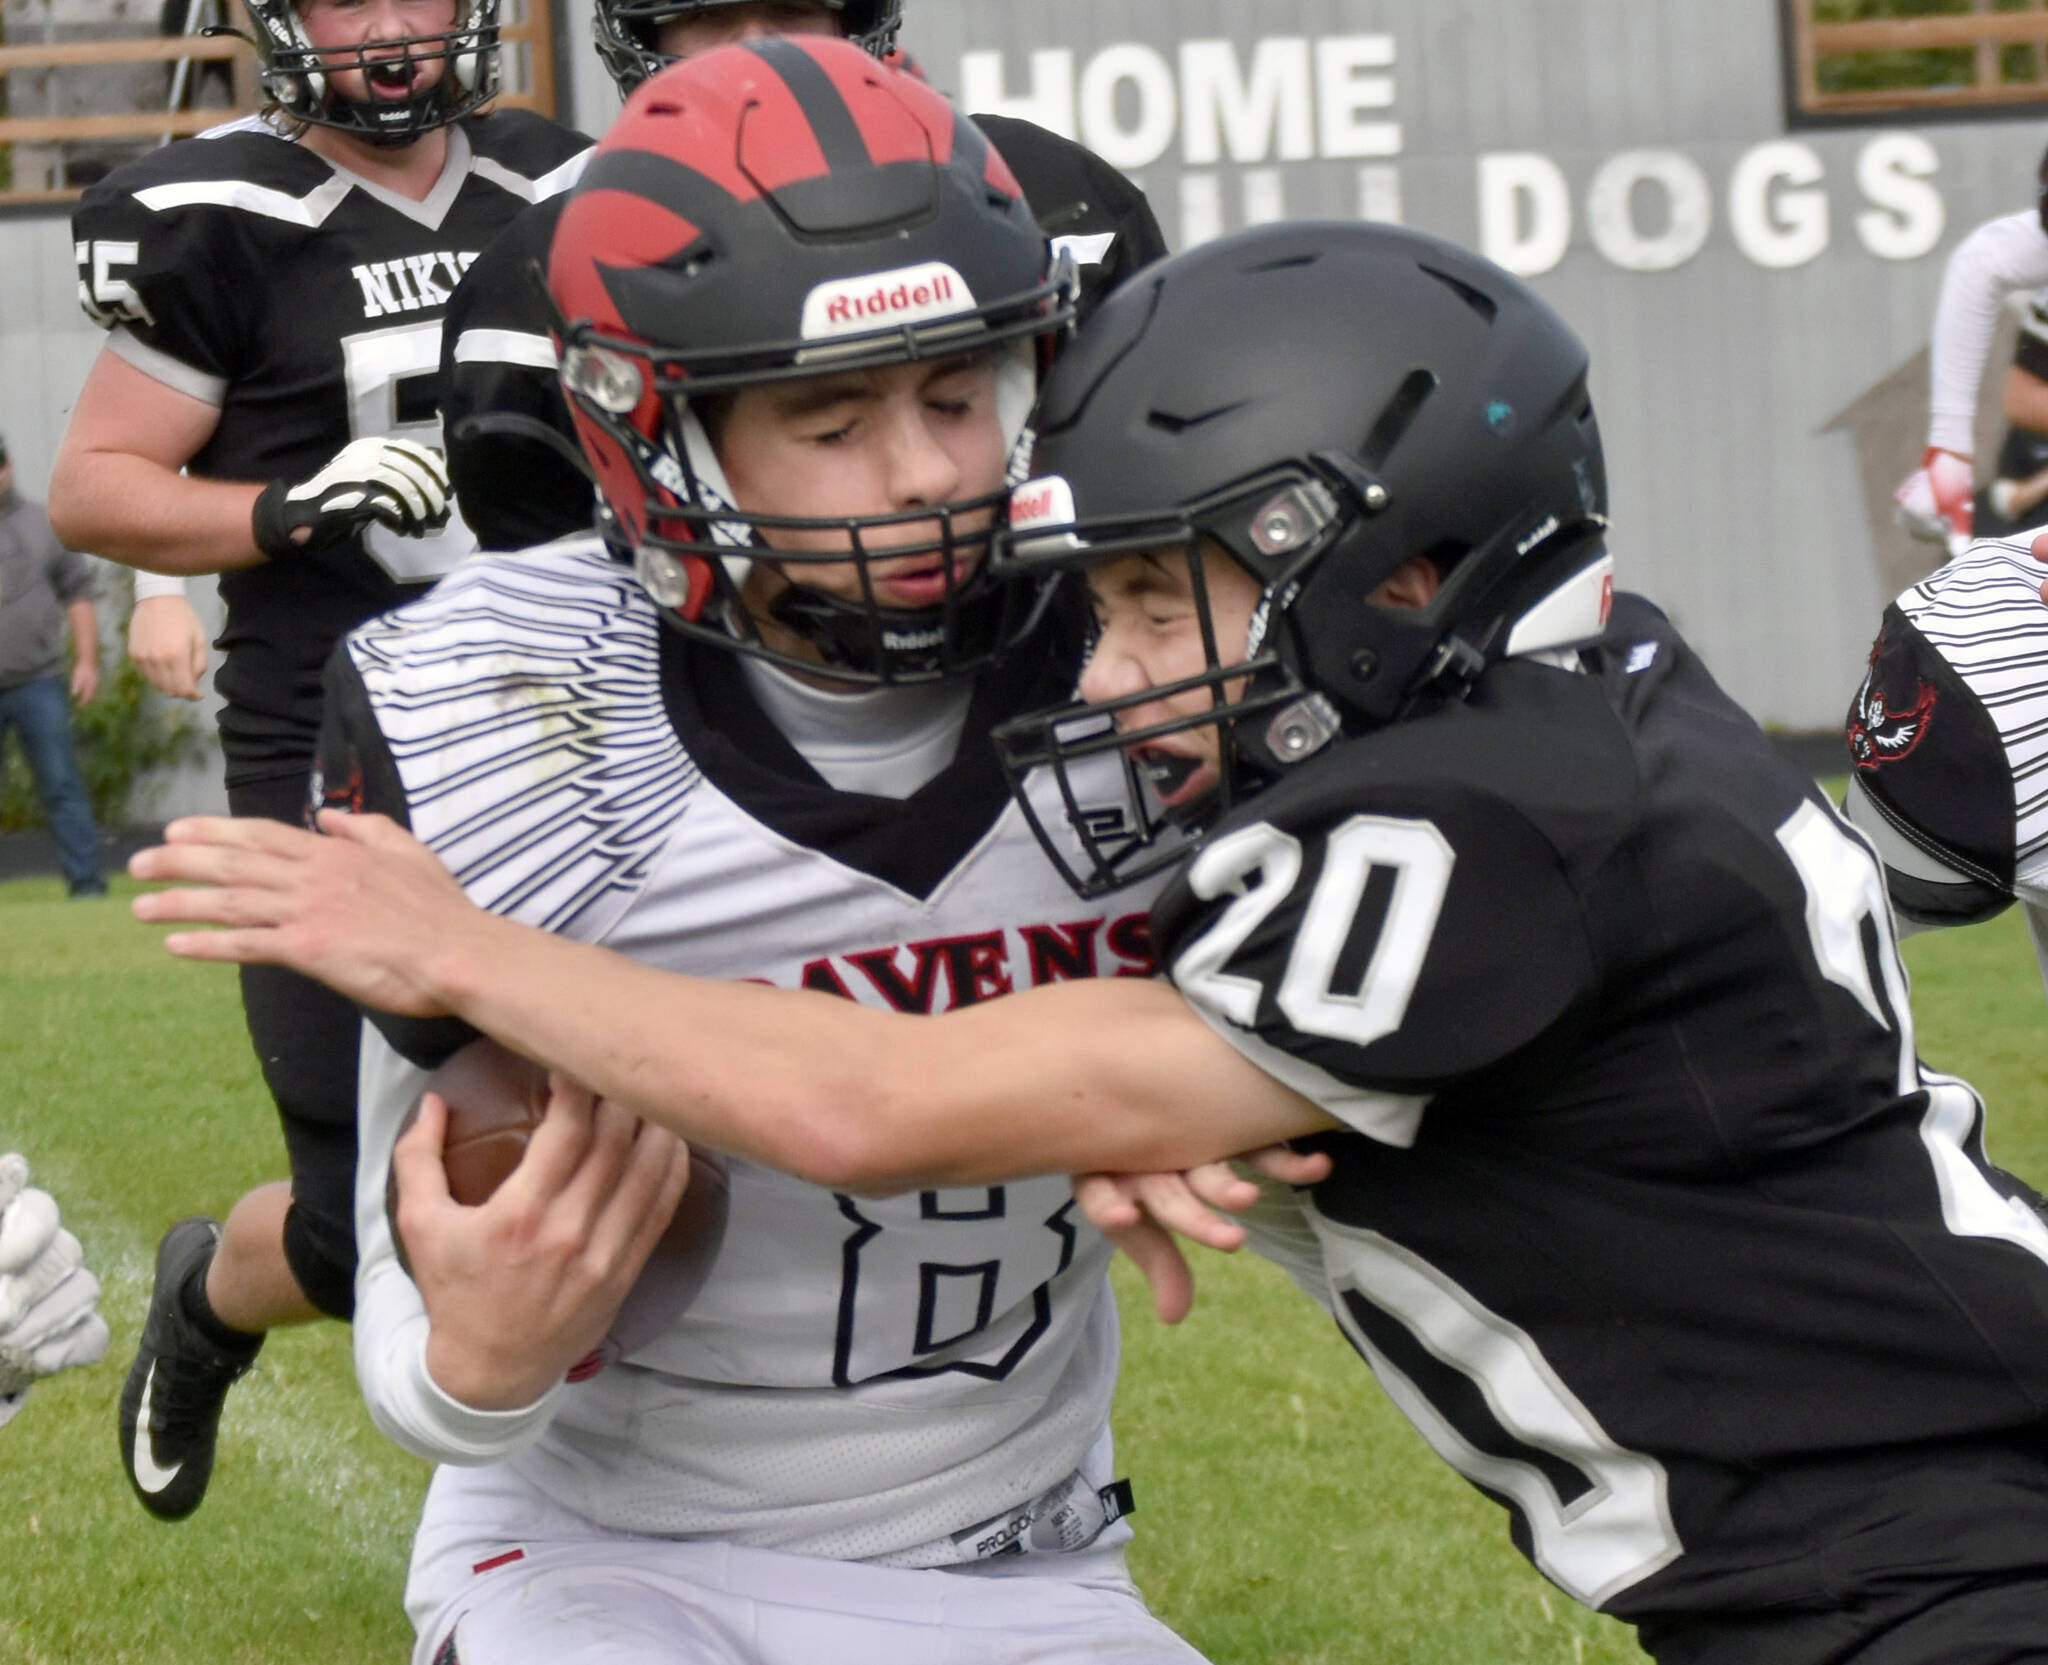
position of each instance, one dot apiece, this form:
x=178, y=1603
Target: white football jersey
x=859, y=1378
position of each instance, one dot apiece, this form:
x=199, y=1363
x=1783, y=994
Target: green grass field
x=1287, y=1515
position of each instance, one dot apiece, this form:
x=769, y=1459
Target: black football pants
x=305, y=1037
x=1998, y=1619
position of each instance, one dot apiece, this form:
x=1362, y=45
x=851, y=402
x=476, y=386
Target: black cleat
x=170, y=1405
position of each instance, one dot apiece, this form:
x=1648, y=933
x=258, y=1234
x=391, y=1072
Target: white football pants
x=502, y=1576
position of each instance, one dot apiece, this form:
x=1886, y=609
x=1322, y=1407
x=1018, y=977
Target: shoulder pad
x=527, y=154
x=245, y=151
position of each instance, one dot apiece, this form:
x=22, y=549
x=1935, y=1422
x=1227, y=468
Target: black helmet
x=1320, y=403
x=297, y=76
x=787, y=209
x=625, y=31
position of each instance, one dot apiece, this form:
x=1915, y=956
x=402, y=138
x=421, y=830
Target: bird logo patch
x=1877, y=733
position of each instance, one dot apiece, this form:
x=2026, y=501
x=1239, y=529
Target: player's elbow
x=830, y=1143
x=69, y=504
x=850, y=1140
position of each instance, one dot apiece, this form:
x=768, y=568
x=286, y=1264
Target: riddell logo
x=850, y=306
x=1046, y=501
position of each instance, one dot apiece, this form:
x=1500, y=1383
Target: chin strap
x=891, y=642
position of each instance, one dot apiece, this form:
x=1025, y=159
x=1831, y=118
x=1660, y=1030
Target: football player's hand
x=523, y=1287
x=1937, y=501
x=364, y=909
x=49, y=1318
x=392, y=482
x=1141, y=1213
x=168, y=644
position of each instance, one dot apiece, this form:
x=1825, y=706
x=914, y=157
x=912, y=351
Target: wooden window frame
x=535, y=31
x=1806, y=42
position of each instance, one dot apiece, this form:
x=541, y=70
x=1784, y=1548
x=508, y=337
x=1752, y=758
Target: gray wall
x=1757, y=301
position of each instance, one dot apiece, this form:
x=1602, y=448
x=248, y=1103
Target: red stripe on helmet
x=998, y=173
x=776, y=145
x=899, y=117
x=692, y=109
x=608, y=228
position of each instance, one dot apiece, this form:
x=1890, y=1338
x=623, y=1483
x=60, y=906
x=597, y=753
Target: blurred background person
x=43, y=588
x=1940, y=501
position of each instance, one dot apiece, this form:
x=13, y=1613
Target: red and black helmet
x=783, y=209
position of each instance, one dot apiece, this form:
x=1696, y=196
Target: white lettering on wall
x=1379, y=193
x=1049, y=103
x=1908, y=217
x=1285, y=98
x=1345, y=91
x=1525, y=212
x=1265, y=196
x=1201, y=209
x=1777, y=209
x=1611, y=209
x=1103, y=129
x=1218, y=107
x=1244, y=107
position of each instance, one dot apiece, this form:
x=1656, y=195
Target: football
x=496, y=1098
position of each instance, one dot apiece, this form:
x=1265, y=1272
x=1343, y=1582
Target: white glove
x=48, y=1301
x=393, y=481
x=1937, y=501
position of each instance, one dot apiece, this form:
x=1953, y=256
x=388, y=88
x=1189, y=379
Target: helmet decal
x=912, y=295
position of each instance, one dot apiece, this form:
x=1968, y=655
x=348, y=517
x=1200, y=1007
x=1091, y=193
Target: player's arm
x=461, y=1352
x=173, y=289
x=2001, y=256
x=117, y=490
x=165, y=638
x=1106, y=1074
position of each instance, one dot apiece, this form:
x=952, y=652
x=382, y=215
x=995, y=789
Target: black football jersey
x=498, y=363
x=306, y=303
x=1651, y=1221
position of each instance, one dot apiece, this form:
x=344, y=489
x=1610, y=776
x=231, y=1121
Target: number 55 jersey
x=1648, y=1218
x=304, y=303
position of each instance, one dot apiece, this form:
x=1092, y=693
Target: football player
x=1946, y=749
x=511, y=447
x=804, y=308
x=49, y=1302
x=263, y=408
x=1939, y=501
x=1639, y=1203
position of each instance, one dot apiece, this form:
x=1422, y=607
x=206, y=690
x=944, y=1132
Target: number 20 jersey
x=1650, y=1221
x=862, y=1378
x=304, y=302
